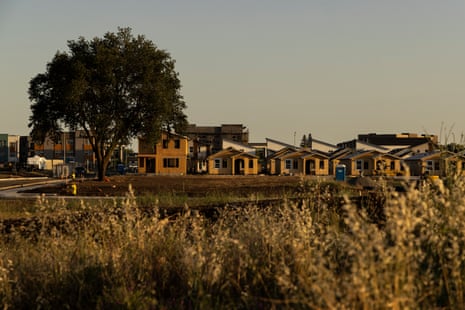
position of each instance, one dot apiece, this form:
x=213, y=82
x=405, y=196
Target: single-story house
x=437, y=163
x=299, y=162
x=232, y=162
x=369, y=163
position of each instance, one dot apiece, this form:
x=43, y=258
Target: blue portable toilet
x=340, y=172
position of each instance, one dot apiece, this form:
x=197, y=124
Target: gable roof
x=230, y=152
x=369, y=153
x=279, y=143
x=341, y=153
x=282, y=152
x=237, y=145
x=359, y=145
x=326, y=144
x=424, y=156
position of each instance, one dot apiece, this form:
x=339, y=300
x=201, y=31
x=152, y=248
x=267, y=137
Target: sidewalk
x=13, y=191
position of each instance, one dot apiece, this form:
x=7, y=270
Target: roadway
x=12, y=187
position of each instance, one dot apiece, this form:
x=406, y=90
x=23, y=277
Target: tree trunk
x=102, y=166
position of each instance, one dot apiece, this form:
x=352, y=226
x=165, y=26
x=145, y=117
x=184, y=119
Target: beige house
x=289, y=161
x=371, y=163
x=167, y=157
x=436, y=163
x=274, y=165
x=232, y=162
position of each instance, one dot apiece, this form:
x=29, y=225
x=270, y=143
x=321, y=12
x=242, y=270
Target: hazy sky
x=332, y=68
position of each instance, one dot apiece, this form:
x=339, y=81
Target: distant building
x=9, y=150
x=212, y=136
x=397, y=140
x=70, y=147
x=207, y=140
x=3, y=149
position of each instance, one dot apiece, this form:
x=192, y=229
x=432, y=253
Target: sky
x=330, y=68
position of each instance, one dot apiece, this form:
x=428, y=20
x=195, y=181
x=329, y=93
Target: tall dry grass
x=308, y=255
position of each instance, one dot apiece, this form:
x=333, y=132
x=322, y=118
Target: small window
x=365, y=165
x=177, y=144
x=359, y=164
x=250, y=164
x=429, y=165
x=288, y=163
x=165, y=143
x=217, y=163
x=225, y=163
x=322, y=164
x=295, y=164
x=170, y=162
x=393, y=165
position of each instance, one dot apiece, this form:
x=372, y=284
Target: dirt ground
x=192, y=185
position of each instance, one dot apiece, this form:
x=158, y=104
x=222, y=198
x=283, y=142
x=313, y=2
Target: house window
x=322, y=164
x=170, y=162
x=12, y=147
x=177, y=144
x=141, y=162
x=429, y=165
x=225, y=163
x=288, y=163
x=250, y=164
x=365, y=165
x=217, y=163
x=393, y=165
x=359, y=164
x=296, y=164
x=165, y=143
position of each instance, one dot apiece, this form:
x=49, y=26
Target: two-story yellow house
x=167, y=157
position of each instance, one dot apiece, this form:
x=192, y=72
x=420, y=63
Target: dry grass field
x=190, y=185
x=311, y=252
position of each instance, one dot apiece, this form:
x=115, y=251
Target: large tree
x=114, y=88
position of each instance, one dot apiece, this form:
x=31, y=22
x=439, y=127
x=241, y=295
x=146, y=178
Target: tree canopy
x=114, y=88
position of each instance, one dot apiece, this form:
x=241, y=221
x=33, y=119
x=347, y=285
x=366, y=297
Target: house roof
x=238, y=144
x=283, y=151
x=316, y=153
x=231, y=152
x=361, y=153
x=324, y=143
x=340, y=153
x=300, y=153
x=280, y=143
x=424, y=156
x=363, y=145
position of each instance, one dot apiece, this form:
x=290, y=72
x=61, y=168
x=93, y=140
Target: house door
x=310, y=167
x=239, y=166
x=150, y=165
